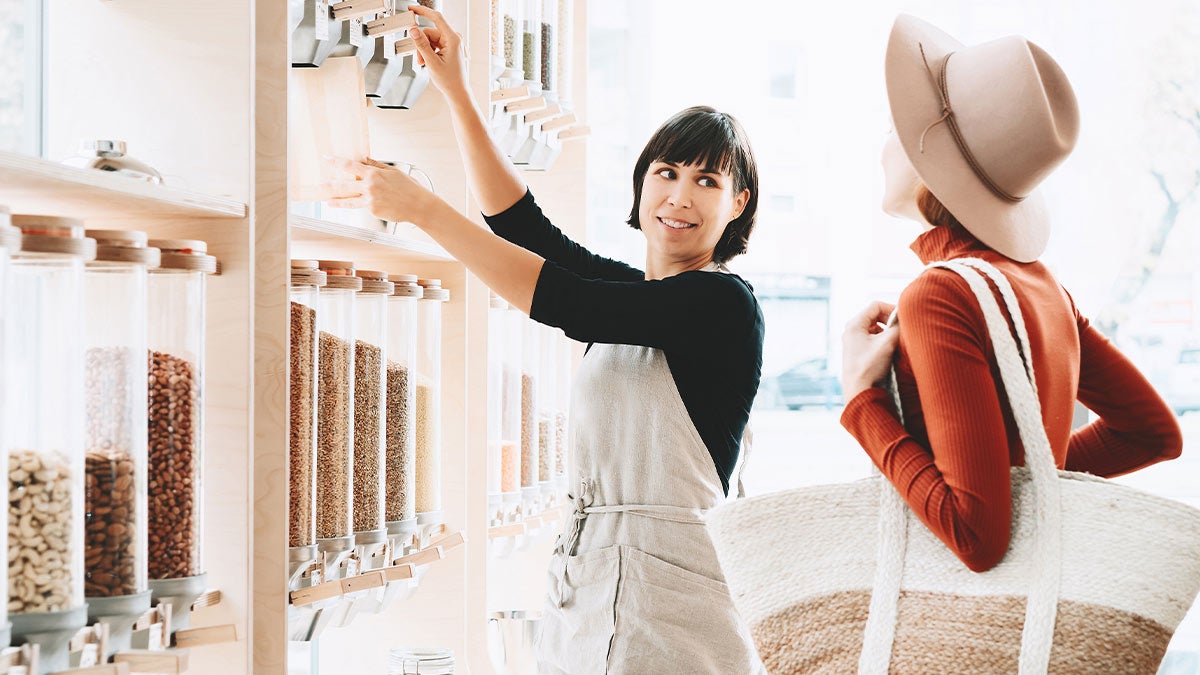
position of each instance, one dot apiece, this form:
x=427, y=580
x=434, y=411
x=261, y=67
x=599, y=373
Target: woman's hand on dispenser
x=384, y=190
x=440, y=49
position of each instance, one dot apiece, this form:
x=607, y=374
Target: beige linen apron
x=635, y=587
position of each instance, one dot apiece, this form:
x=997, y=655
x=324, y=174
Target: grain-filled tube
x=370, y=416
x=511, y=422
x=10, y=243
x=304, y=291
x=43, y=434
x=176, y=340
x=499, y=447
x=429, y=402
x=547, y=402
x=116, y=400
x=400, y=502
x=335, y=422
x=531, y=362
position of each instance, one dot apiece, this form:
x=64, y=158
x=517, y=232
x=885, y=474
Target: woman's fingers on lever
x=439, y=20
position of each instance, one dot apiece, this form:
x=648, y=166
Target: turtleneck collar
x=947, y=243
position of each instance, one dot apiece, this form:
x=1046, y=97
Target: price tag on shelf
x=322, y=27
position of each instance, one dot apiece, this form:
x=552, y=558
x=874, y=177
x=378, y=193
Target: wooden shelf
x=33, y=185
x=355, y=242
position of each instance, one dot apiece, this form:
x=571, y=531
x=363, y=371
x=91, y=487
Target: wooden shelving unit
x=199, y=91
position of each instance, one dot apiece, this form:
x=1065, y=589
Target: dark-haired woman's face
x=685, y=208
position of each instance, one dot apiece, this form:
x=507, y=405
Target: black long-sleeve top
x=708, y=324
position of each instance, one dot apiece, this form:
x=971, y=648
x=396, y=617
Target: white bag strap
x=1020, y=384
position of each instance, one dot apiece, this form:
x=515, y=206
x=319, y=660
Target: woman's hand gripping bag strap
x=844, y=578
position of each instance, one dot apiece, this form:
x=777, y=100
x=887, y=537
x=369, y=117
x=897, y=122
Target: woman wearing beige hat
x=977, y=129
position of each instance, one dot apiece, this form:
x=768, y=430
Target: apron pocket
x=673, y=620
x=575, y=637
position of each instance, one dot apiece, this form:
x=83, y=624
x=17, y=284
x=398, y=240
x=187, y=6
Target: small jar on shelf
x=400, y=509
x=335, y=423
x=176, y=334
x=429, y=403
x=116, y=403
x=305, y=284
x=43, y=433
x=370, y=412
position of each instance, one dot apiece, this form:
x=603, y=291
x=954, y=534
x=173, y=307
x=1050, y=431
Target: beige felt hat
x=983, y=126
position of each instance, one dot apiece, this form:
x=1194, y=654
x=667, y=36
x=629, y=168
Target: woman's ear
x=739, y=204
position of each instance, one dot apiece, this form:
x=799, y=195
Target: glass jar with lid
x=564, y=43
x=115, y=430
x=335, y=423
x=429, y=402
x=44, y=339
x=305, y=285
x=547, y=54
x=176, y=339
x=566, y=354
x=421, y=661
x=10, y=242
x=400, y=508
x=547, y=403
x=511, y=17
x=370, y=411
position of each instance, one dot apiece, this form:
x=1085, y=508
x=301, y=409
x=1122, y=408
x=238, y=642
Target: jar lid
x=305, y=264
x=339, y=274
x=124, y=246
x=305, y=273
x=406, y=286
x=433, y=290
x=185, y=254
x=374, y=281
x=53, y=235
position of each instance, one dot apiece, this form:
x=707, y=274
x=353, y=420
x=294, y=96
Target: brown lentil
x=301, y=432
x=39, y=532
x=174, y=468
x=401, y=446
x=368, y=452
x=333, y=437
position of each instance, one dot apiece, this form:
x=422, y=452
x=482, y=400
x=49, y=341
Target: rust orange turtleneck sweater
x=952, y=462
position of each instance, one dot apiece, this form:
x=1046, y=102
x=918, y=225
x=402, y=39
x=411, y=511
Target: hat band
x=939, y=82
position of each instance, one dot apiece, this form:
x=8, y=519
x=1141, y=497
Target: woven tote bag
x=844, y=578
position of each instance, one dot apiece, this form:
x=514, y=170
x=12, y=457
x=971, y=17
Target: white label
x=322, y=28
x=352, y=567
x=356, y=32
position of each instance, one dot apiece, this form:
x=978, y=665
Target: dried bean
x=301, y=427
x=368, y=437
x=401, y=446
x=333, y=437
x=527, y=64
x=39, y=532
x=510, y=42
x=547, y=56
x=174, y=468
x=545, y=446
x=110, y=522
x=510, y=474
x=529, y=437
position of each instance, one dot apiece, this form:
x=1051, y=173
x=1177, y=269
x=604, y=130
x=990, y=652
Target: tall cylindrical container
x=497, y=310
x=44, y=379
x=305, y=284
x=511, y=17
x=531, y=42
x=429, y=402
x=335, y=420
x=10, y=243
x=510, y=458
x=564, y=43
x=176, y=340
x=116, y=404
x=546, y=406
x=400, y=510
x=531, y=361
x=566, y=354
x=370, y=414
x=548, y=54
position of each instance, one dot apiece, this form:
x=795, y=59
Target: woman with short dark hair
x=663, y=394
